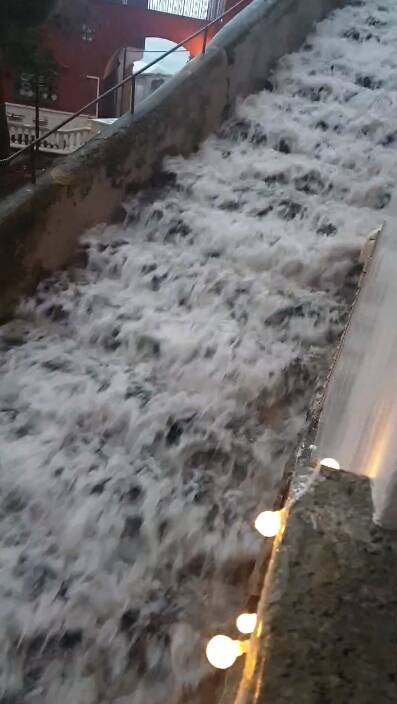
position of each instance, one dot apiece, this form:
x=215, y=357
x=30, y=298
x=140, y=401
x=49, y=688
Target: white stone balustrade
x=64, y=141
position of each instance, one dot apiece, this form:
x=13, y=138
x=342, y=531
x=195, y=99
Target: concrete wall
x=359, y=415
x=39, y=226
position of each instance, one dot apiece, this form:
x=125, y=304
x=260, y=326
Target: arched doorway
x=119, y=66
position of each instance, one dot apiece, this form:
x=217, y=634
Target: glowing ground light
x=268, y=523
x=246, y=623
x=222, y=652
x=330, y=463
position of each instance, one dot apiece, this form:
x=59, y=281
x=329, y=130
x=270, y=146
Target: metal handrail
x=33, y=146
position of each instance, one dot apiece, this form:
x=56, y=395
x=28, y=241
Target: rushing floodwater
x=151, y=394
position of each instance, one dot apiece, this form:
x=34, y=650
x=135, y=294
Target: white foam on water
x=152, y=393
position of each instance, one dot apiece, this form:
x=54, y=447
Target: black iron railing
x=196, y=9
x=34, y=146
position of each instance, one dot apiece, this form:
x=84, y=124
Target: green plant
x=21, y=49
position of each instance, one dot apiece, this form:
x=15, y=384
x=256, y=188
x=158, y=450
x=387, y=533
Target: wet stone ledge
x=330, y=608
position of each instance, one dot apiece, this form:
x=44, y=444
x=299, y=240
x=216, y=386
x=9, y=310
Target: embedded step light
x=246, y=623
x=330, y=463
x=268, y=523
x=222, y=651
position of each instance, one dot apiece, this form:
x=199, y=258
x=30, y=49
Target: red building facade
x=85, y=53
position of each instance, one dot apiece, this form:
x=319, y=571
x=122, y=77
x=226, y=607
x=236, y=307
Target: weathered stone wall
x=39, y=226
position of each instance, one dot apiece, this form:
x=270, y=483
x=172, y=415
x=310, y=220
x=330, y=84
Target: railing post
x=205, y=35
x=37, y=126
x=33, y=163
x=37, y=107
x=132, y=104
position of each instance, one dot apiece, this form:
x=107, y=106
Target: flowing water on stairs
x=151, y=393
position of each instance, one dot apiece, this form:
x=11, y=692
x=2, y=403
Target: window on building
x=187, y=8
x=47, y=85
x=87, y=33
